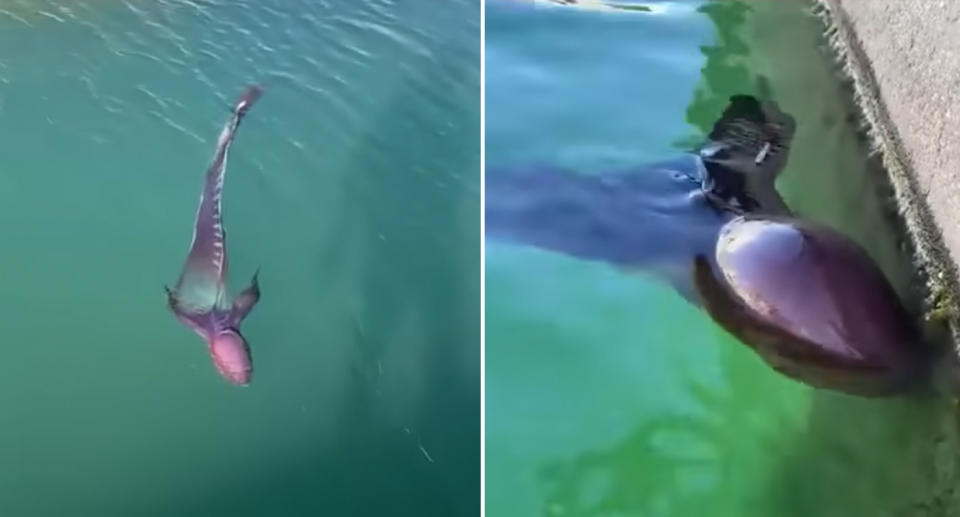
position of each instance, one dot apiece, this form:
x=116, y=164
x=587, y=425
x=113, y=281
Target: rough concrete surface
x=904, y=57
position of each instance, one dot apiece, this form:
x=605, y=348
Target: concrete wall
x=904, y=56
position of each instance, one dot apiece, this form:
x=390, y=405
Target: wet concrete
x=902, y=57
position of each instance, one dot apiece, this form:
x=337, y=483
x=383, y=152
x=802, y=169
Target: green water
x=353, y=185
x=607, y=394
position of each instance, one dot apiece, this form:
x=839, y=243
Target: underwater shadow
x=682, y=462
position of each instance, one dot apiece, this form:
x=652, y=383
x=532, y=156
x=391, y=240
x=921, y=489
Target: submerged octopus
x=200, y=299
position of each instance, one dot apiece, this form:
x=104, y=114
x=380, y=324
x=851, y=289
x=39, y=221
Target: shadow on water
x=681, y=463
x=725, y=70
x=846, y=456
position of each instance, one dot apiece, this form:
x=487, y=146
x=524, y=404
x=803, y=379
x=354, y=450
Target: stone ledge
x=903, y=57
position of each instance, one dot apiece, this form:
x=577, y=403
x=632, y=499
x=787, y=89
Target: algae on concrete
x=902, y=57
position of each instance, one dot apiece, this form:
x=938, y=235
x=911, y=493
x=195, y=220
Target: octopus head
x=231, y=356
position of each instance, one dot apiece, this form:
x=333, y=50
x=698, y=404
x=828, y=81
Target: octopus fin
x=752, y=137
x=245, y=301
x=184, y=314
x=748, y=149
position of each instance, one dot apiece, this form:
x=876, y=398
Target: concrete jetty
x=904, y=59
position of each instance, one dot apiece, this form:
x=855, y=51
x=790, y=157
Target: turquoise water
x=609, y=395
x=353, y=185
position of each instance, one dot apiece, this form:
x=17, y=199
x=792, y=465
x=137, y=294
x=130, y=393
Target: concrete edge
x=930, y=255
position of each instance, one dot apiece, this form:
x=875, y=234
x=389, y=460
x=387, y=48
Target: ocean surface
x=606, y=393
x=353, y=185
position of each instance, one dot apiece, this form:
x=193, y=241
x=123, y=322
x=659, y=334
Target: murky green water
x=607, y=394
x=354, y=185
